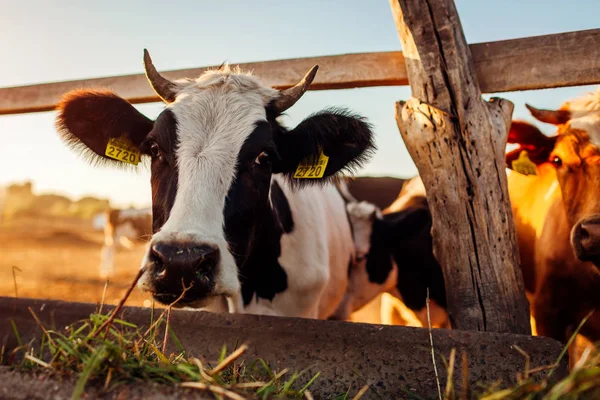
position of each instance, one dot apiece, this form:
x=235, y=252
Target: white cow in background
x=121, y=228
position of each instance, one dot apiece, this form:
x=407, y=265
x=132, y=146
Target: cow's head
x=575, y=153
x=213, y=151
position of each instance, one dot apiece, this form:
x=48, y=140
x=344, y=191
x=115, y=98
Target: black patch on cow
x=405, y=237
x=164, y=169
x=379, y=259
x=252, y=227
x=282, y=208
x=344, y=137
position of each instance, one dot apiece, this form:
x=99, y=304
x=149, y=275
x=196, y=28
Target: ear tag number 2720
x=122, y=151
x=316, y=170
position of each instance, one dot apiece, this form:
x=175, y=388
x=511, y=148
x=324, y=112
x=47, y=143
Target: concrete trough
x=395, y=361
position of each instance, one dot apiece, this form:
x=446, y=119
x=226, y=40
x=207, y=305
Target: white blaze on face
x=589, y=124
x=585, y=114
x=361, y=217
x=215, y=115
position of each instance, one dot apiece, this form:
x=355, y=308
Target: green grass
x=128, y=353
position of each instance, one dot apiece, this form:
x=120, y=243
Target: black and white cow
x=229, y=219
x=394, y=255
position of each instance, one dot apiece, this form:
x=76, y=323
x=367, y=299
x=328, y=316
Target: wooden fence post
x=457, y=141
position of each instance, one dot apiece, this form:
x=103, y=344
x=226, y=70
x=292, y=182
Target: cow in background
x=557, y=215
x=381, y=191
x=2, y=201
x=394, y=255
x=242, y=206
x=122, y=227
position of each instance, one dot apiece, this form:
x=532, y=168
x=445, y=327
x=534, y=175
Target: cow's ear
x=345, y=139
x=88, y=119
x=532, y=141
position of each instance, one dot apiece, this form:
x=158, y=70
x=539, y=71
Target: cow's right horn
x=290, y=96
x=164, y=88
x=555, y=117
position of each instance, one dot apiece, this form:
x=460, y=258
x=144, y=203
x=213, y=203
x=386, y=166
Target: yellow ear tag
x=524, y=165
x=313, y=170
x=121, y=149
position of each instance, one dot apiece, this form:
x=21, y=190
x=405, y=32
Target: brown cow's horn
x=290, y=96
x=555, y=117
x=163, y=87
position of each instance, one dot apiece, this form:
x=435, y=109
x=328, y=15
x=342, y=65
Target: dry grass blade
x=450, y=376
x=37, y=320
x=108, y=378
x=229, y=359
x=361, y=392
x=527, y=371
x=37, y=361
x=164, y=346
x=201, y=369
x=183, y=292
x=308, y=395
x=544, y=368
x=583, y=358
x=437, y=377
x=466, y=388
x=249, y=385
x=215, y=389
x=107, y=324
x=103, y=296
x=15, y=268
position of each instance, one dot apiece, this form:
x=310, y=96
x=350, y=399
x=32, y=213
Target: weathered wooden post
x=457, y=141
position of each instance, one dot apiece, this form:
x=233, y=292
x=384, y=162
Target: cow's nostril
x=191, y=257
x=583, y=233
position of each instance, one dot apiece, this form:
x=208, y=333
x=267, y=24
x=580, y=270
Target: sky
x=47, y=41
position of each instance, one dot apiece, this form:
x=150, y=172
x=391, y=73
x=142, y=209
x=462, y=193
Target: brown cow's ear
x=532, y=141
x=90, y=120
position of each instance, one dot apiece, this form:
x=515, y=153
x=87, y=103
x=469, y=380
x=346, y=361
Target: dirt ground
x=59, y=259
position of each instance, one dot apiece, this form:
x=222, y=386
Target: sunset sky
x=45, y=41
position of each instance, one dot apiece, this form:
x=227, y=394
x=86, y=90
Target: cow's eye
x=263, y=159
x=154, y=150
x=556, y=161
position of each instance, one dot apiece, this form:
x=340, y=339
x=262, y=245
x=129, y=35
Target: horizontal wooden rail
x=557, y=60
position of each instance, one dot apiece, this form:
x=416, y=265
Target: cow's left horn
x=290, y=96
x=163, y=87
x=555, y=117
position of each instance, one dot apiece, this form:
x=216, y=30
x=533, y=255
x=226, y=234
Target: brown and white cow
x=229, y=218
x=2, y=202
x=557, y=216
x=394, y=255
x=122, y=227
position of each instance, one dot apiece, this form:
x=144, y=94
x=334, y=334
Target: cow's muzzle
x=585, y=239
x=182, y=272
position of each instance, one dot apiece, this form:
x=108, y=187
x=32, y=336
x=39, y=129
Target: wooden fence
x=564, y=59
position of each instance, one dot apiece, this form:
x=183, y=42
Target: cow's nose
x=195, y=258
x=586, y=240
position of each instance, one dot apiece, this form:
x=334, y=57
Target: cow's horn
x=163, y=87
x=290, y=96
x=555, y=117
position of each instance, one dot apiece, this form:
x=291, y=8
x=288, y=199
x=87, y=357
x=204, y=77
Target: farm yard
x=471, y=270
x=59, y=260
